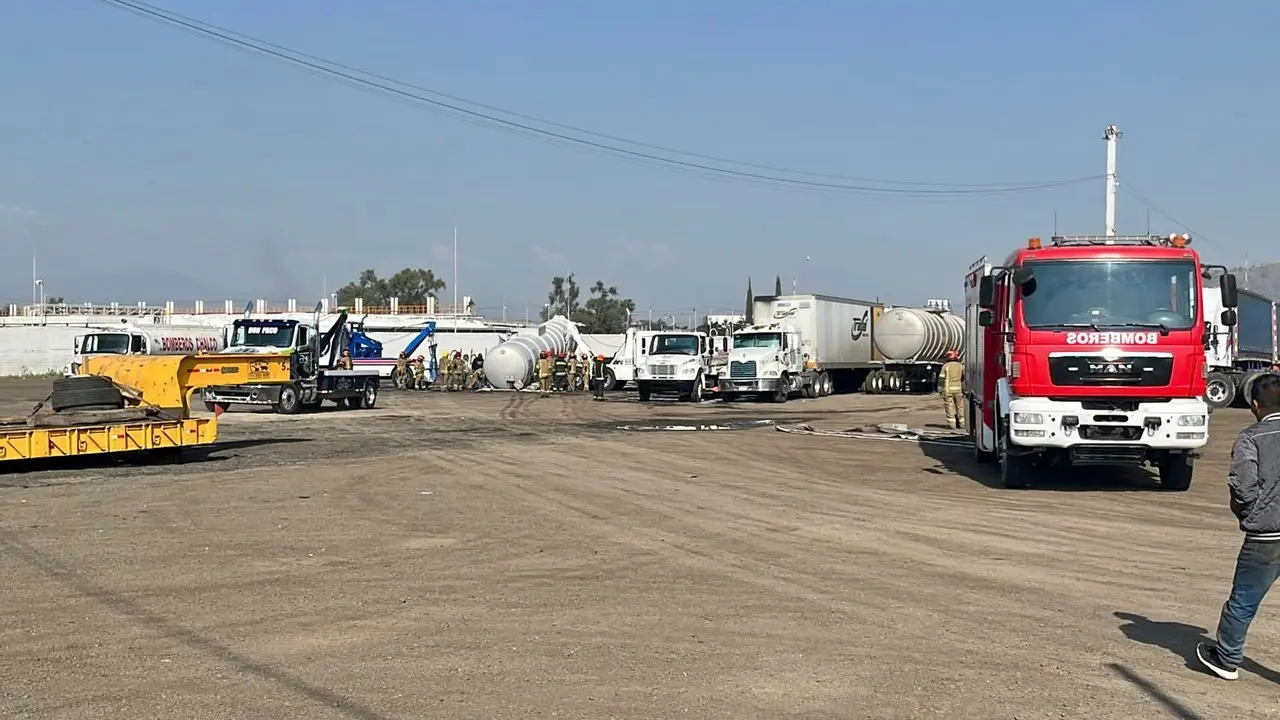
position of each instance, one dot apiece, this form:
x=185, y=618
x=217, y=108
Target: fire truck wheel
x=1015, y=470
x=1176, y=470
x=1220, y=390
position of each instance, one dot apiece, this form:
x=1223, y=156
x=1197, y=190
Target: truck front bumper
x=241, y=394
x=667, y=385
x=731, y=385
x=1181, y=424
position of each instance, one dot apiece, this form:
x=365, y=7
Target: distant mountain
x=1262, y=279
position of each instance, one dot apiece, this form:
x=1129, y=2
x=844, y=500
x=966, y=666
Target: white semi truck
x=811, y=345
x=1236, y=354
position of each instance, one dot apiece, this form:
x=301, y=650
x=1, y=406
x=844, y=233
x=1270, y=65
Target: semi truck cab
x=678, y=363
x=764, y=360
x=1090, y=350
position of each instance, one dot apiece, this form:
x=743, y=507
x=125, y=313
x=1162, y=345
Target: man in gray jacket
x=1255, y=499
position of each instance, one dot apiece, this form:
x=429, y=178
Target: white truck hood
x=758, y=354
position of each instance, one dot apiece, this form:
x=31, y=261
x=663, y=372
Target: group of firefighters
x=571, y=372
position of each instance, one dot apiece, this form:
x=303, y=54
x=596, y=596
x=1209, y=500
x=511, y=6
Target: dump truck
x=289, y=366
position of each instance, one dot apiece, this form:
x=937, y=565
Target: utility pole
x=455, y=270
x=1111, y=135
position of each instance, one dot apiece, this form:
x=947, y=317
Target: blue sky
x=146, y=163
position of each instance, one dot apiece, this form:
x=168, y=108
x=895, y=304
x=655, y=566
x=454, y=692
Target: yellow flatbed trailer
x=46, y=443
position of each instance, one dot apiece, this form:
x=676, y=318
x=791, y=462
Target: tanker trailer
x=512, y=364
x=912, y=343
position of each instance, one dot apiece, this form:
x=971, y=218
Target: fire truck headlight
x=1028, y=419
x=1190, y=421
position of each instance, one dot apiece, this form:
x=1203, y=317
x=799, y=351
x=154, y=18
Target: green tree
x=410, y=286
x=605, y=311
x=777, y=285
x=563, y=298
x=750, y=312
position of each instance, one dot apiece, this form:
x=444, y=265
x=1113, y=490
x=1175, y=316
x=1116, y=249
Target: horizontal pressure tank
x=511, y=364
x=904, y=334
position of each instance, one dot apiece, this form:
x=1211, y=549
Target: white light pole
x=1111, y=135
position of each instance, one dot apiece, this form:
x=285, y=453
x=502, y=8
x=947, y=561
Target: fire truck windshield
x=1105, y=293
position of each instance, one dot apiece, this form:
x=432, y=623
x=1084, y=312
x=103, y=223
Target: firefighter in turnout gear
x=402, y=368
x=575, y=371
x=560, y=372
x=951, y=386
x=544, y=373
x=598, y=378
x=344, y=360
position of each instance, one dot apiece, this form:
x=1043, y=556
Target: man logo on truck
x=860, y=326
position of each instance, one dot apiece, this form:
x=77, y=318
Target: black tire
x=695, y=393
x=783, y=393
x=645, y=392
x=1219, y=390
x=825, y=386
x=980, y=456
x=368, y=397
x=1176, y=470
x=84, y=392
x=1015, y=470
x=611, y=380
x=1246, y=386
x=289, y=402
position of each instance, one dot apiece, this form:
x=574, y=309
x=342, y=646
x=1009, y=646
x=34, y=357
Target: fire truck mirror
x=1227, y=286
x=986, y=291
x=1023, y=277
x=985, y=318
x=1229, y=317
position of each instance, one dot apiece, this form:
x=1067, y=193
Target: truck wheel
x=84, y=392
x=368, y=397
x=1246, y=387
x=783, y=393
x=1176, y=470
x=695, y=393
x=825, y=386
x=611, y=380
x=1219, y=390
x=1015, y=471
x=289, y=403
x=645, y=392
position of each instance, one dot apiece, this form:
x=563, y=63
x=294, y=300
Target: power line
x=1153, y=207
x=351, y=76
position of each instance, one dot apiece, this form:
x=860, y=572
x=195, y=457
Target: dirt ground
x=497, y=555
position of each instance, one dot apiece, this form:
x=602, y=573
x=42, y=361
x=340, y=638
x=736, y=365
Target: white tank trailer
x=511, y=364
x=912, y=342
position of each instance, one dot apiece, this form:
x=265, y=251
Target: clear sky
x=147, y=163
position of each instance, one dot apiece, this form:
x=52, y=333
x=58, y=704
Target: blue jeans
x=1257, y=568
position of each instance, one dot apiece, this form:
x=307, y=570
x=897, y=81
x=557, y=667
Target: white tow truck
x=682, y=363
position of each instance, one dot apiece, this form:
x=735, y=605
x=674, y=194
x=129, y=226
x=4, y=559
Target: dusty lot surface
x=503, y=556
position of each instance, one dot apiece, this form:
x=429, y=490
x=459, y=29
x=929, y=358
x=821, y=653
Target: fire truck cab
x=1090, y=350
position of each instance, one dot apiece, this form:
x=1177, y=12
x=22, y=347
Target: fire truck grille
x=1136, y=371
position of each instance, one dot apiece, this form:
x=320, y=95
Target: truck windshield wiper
x=1164, y=329
x=1059, y=327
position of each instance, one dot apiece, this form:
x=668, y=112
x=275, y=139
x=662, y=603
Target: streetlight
x=40, y=288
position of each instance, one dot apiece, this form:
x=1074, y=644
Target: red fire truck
x=1090, y=350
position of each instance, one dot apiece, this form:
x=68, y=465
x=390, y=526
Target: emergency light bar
x=1174, y=240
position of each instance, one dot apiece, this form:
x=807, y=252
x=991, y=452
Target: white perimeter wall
x=37, y=350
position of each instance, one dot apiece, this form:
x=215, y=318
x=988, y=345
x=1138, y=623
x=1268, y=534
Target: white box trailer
x=809, y=344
